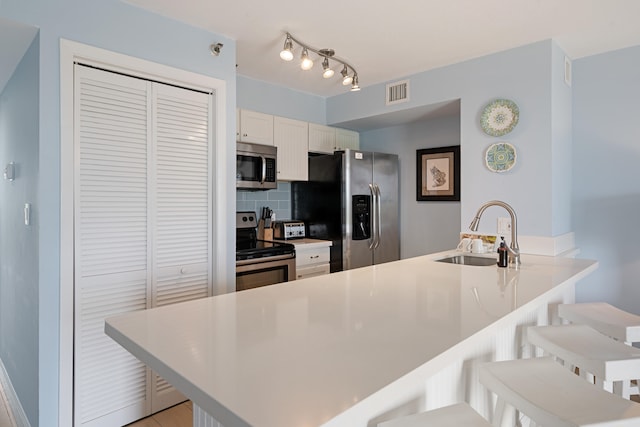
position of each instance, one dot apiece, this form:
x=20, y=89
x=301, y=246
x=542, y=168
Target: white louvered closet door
x=143, y=229
x=112, y=143
x=181, y=203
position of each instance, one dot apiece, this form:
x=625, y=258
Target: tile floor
x=6, y=418
x=177, y=416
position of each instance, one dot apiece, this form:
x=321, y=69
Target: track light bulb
x=306, y=63
x=287, y=51
x=354, y=86
x=328, y=72
x=346, y=78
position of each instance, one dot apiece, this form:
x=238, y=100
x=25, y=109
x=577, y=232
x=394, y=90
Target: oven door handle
x=264, y=259
x=264, y=170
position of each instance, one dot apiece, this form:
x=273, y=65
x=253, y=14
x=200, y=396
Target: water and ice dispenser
x=361, y=208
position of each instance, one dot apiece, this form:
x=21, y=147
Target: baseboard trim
x=561, y=246
x=16, y=413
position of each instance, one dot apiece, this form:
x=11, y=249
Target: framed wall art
x=438, y=174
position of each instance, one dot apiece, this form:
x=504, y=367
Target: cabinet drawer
x=316, y=270
x=311, y=256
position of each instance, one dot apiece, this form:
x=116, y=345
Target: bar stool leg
x=498, y=414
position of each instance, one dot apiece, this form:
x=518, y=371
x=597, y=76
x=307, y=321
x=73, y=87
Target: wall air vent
x=397, y=92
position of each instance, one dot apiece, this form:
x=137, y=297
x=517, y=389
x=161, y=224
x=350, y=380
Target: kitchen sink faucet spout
x=514, y=248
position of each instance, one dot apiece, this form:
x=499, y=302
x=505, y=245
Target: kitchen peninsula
x=350, y=349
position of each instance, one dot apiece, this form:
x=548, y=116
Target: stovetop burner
x=248, y=246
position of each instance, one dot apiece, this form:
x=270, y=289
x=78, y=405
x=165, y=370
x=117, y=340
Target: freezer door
x=358, y=174
x=386, y=181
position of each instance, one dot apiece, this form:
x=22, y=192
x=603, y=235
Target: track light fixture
x=305, y=62
x=327, y=55
x=327, y=72
x=287, y=50
x=346, y=78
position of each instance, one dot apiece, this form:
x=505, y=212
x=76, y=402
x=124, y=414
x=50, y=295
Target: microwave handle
x=264, y=170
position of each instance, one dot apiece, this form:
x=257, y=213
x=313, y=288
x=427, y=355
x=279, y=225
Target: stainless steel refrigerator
x=352, y=199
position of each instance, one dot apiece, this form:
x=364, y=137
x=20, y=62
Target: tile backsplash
x=278, y=200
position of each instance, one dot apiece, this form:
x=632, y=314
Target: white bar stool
x=581, y=346
x=618, y=324
x=603, y=317
x=457, y=415
x=551, y=396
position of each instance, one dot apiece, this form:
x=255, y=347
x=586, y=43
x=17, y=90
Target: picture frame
x=438, y=174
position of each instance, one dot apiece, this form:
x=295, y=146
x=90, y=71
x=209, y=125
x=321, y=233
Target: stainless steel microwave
x=256, y=166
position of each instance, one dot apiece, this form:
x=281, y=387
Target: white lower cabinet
x=312, y=258
x=316, y=270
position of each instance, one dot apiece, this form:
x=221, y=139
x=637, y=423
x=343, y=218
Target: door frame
x=71, y=52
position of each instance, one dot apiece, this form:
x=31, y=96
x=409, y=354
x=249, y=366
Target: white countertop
x=298, y=354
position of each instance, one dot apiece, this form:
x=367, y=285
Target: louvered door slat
x=111, y=140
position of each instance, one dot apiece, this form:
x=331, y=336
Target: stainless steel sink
x=469, y=260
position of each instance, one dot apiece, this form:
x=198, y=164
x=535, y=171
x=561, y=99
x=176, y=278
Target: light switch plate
x=504, y=225
x=10, y=172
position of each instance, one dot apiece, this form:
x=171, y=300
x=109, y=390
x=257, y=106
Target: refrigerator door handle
x=378, y=215
x=374, y=221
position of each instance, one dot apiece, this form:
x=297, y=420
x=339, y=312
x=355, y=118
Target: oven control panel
x=246, y=220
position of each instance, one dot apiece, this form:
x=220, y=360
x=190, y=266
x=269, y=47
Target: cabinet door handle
x=315, y=256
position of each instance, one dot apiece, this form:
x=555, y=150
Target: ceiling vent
x=397, y=92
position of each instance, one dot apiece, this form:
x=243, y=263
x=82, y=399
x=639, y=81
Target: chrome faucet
x=513, y=249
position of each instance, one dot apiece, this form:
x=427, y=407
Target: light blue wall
x=606, y=175
x=523, y=75
x=281, y=101
x=115, y=26
x=18, y=242
x=425, y=227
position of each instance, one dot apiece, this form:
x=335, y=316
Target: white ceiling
x=388, y=40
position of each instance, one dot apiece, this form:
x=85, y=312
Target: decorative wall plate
x=499, y=117
x=500, y=157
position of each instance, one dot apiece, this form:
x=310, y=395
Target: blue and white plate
x=500, y=157
x=499, y=117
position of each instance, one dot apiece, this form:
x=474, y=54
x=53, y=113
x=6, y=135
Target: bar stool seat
x=552, y=396
x=457, y=415
x=603, y=317
x=607, y=360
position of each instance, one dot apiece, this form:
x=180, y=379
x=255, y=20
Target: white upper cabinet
x=322, y=139
x=347, y=139
x=327, y=139
x=255, y=127
x=292, y=139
